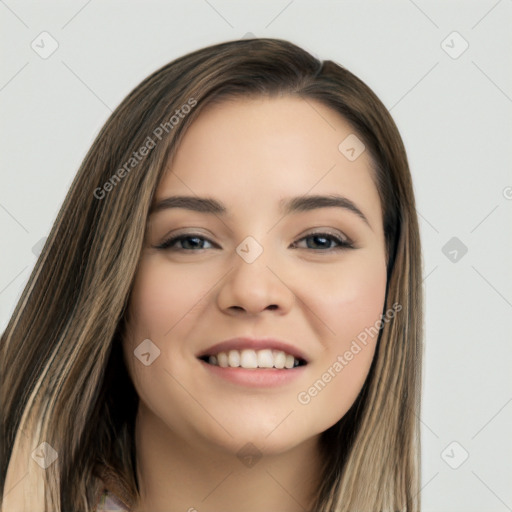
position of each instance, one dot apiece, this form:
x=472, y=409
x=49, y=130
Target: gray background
x=454, y=112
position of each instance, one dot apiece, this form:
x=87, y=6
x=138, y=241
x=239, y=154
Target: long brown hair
x=64, y=380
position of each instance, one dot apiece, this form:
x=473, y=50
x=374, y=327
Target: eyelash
x=342, y=244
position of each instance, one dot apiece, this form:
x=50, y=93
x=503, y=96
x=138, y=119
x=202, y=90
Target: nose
x=253, y=287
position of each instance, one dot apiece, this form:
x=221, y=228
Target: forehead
x=252, y=152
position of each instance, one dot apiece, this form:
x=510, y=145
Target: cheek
x=161, y=296
x=351, y=307
x=349, y=300
x=160, y=300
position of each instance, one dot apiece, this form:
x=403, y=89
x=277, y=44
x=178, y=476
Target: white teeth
x=279, y=358
x=289, y=361
x=234, y=358
x=248, y=358
x=265, y=358
x=222, y=359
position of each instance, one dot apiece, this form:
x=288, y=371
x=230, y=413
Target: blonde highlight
x=61, y=349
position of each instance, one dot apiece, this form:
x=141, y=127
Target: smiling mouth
x=254, y=359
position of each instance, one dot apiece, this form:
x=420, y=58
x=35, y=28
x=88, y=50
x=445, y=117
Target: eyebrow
x=287, y=205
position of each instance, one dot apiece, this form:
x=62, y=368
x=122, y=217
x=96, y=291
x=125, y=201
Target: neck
x=178, y=475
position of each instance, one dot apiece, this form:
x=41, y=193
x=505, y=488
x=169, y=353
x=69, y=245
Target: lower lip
x=257, y=378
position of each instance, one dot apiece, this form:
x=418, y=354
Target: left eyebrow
x=287, y=205
x=313, y=202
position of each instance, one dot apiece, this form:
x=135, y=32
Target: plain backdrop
x=443, y=70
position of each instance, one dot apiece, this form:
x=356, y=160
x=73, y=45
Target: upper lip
x=254, y=344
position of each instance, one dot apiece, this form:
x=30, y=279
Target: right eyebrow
x=287, y=205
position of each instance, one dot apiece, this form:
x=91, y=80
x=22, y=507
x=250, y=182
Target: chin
x=267, y=440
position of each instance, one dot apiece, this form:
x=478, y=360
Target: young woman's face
x=262, y=272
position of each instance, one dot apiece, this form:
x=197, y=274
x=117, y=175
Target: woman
x=227, y=314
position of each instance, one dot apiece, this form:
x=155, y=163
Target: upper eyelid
x=315, y=230
x=320, y=231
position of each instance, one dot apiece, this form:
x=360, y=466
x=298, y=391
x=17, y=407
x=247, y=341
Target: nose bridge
x=251, y=266
x=252, y=283
x=250, y=250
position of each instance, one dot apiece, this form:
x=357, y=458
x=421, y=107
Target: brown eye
x=323, y=241
x=190, y=242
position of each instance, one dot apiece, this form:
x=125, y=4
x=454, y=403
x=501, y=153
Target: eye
x=322, y=241
x=196, y=242
x=184, y=239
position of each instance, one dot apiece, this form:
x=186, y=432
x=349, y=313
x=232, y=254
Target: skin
x=250, y=153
